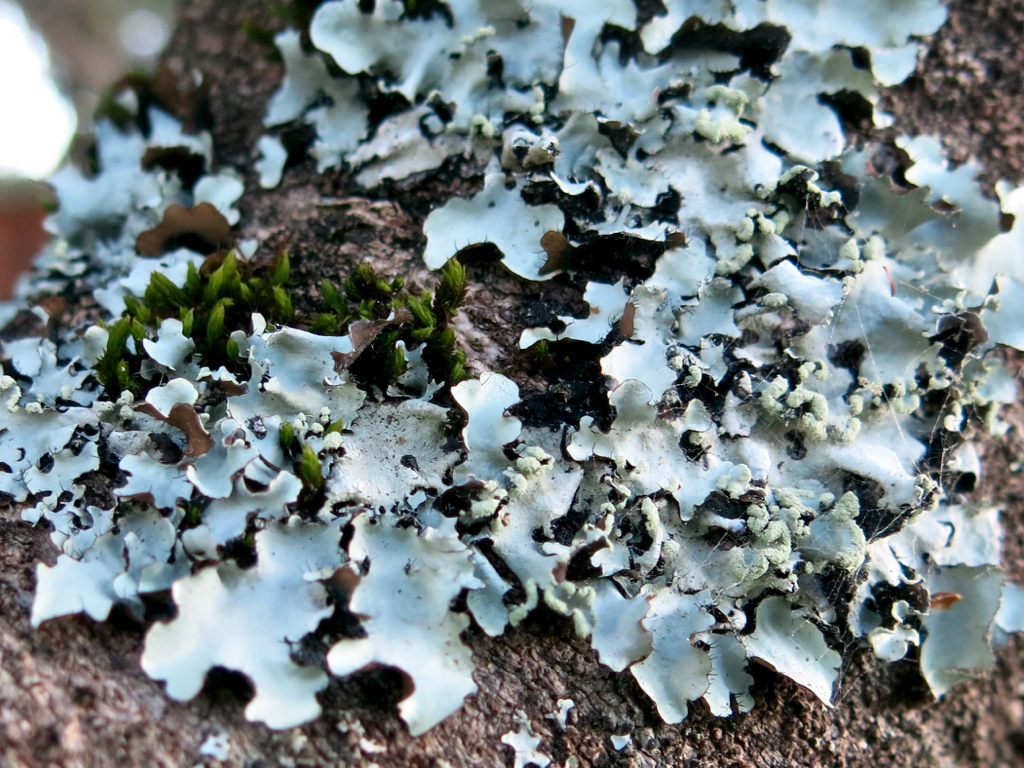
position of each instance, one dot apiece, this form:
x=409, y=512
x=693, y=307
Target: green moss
x=452, y=291
x=309, y=471
x=287, y=438
x=432, y=320
x=216, y=300
x=365, y=297
x=369, y=297
x=193, y=515
x=336, y=426
x=114, y=370
x=221, y=297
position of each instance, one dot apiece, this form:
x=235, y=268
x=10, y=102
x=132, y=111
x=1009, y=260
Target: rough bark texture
x=72, y=692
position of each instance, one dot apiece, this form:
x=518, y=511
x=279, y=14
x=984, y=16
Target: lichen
x=784, y=383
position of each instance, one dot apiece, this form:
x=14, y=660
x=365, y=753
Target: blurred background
x=57, y=58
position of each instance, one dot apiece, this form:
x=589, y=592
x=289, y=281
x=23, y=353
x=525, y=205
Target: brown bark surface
x=21, y=237
x=72, y=692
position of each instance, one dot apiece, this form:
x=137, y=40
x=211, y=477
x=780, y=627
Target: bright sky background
x=36, y=120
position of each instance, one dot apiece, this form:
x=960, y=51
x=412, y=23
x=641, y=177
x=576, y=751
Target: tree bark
x=72, y=692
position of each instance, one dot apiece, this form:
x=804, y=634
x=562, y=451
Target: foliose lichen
x=808, y=360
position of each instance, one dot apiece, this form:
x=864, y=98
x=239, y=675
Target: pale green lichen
x=765, y=383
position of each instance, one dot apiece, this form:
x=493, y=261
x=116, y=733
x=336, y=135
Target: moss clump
x=305, y=461
x=309, y=471
x=193, y=514
x=118, y=368
x=366, y=297
x=369, y=297
x=216, y=300
x=287, y=438
x=220, y=298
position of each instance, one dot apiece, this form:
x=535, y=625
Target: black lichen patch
x=758, y=48
x=185, y=163
x=849, y=355
x=575, y=387
x=420, y=194
x=840, y=588
x=959, y=334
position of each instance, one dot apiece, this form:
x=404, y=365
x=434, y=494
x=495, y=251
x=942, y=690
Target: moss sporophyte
x=775, y=397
